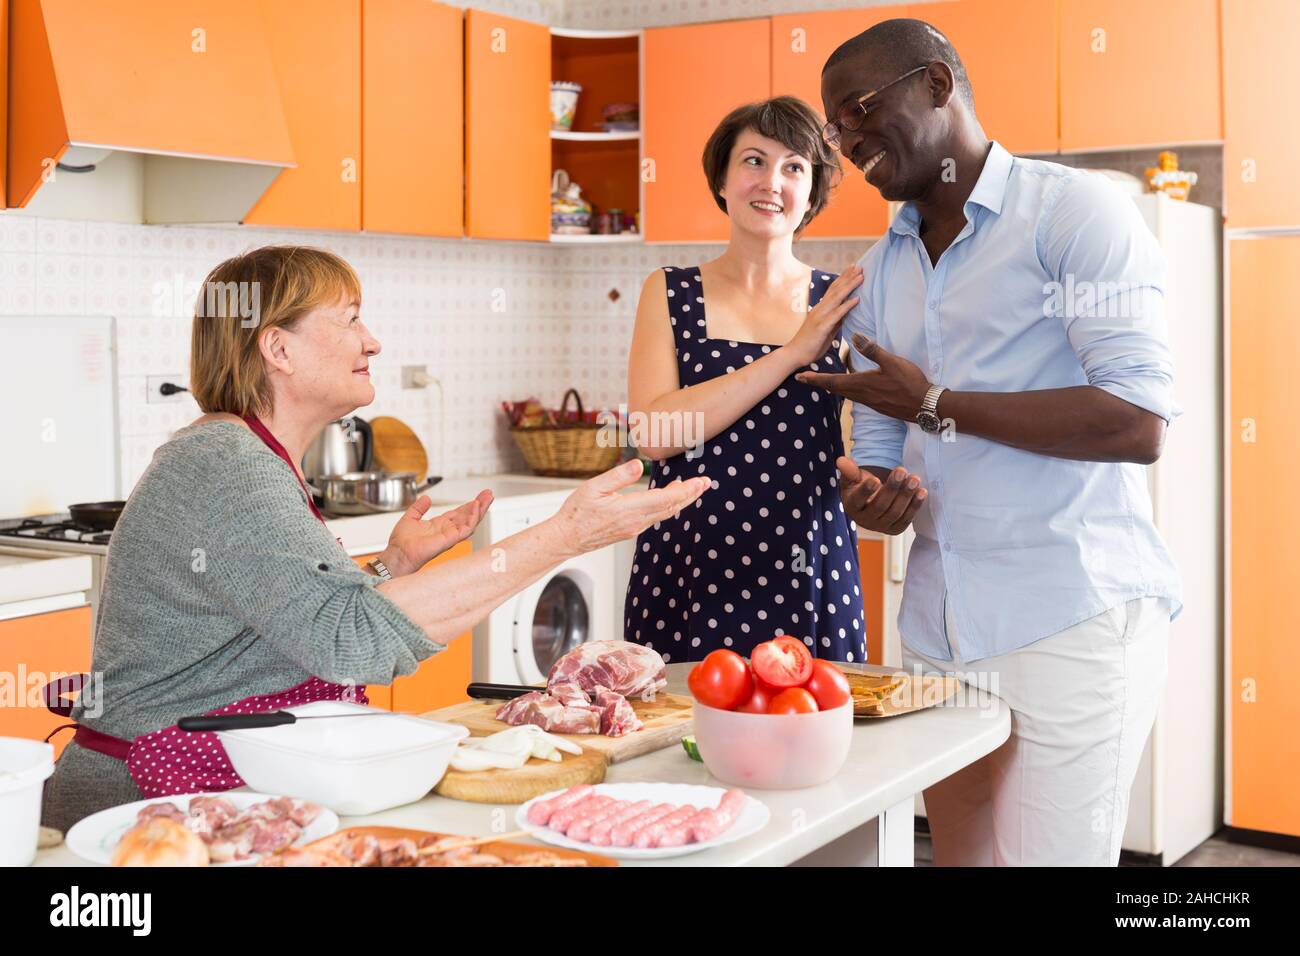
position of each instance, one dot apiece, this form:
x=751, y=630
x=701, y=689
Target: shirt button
x=947, y=546
x=936, y=484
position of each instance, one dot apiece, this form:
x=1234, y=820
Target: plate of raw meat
x=236, y=826
x=642, y=821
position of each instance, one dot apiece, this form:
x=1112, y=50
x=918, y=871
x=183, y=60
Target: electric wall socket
x=415, y=376
x=153, y=384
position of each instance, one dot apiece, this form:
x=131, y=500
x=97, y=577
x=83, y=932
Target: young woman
x=714, y=353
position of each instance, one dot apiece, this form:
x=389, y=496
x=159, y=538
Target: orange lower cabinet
x=801, y=43
x=871, y=566
x=440, y=680
x=316, y=53
x=413, y=177
x=507, y=128
x=1263, y=549
x=33, y=651
x=693, y=77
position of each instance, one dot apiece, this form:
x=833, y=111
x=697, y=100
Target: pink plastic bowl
x=773, y=751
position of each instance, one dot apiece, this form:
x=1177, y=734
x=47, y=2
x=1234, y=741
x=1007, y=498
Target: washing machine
x=575, y=602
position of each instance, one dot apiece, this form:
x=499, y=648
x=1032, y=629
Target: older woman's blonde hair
x=270, y=287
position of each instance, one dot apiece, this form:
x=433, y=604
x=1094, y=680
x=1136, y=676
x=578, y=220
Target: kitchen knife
x=487, y=691
x=269, y=718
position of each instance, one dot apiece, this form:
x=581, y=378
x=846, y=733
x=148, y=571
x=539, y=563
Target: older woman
x=770, y=551
x=224, y=590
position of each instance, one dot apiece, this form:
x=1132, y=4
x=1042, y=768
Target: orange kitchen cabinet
x=801, y=42
x=1139, y=74
x=692, y=77
x=1259, y=155
x=1263, y=525
x=1009, y=50
x=871, y=567
x=316, y=52
x=4, y=99
x=412, y=133
x=33, y=651
x=507, y=128
x=440, y=680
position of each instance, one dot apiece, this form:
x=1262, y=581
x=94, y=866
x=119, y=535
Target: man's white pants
x=1082, y=705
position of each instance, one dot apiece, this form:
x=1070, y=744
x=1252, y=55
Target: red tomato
x=721, y=680
x=793, y=700
x=782, y=662
x=828, y=685
x=759, y=700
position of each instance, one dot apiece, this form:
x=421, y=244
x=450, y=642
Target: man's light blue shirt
x=1054, y=281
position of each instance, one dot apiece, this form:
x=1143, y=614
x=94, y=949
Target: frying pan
x=99, y=515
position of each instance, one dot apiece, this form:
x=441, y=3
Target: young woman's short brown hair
x=273, y=286
x=792, y=123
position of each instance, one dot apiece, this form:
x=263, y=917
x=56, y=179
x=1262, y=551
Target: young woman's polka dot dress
x=768, y=550
x=171, y=761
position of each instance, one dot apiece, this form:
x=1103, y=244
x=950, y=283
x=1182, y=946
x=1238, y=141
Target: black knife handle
x=272, y=718
x=481, y=691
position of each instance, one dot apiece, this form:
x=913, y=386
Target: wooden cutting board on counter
x=667, y=720
x=521, y=785
x=397, y=448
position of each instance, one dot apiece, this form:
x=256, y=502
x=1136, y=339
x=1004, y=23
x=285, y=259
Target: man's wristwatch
x=928, y=416
x=380, y=569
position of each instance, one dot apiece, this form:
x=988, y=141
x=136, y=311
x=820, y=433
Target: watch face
x=928, y=421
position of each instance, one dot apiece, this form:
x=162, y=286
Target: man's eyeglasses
x=852, y=114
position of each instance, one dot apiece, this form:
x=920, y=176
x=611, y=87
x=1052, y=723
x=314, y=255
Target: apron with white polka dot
x=768, y=550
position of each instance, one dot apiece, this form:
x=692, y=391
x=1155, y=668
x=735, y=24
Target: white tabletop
x=889, y=760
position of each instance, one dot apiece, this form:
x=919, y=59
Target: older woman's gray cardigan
x=221, y=584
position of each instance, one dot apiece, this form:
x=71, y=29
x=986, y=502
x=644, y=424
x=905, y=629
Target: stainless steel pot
x=369, y=492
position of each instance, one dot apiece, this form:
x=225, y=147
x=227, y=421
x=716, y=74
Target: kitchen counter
x=862, y=817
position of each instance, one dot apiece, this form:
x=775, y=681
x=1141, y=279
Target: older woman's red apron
x=171, y=760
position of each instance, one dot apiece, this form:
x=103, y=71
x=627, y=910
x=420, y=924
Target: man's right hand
x=879, y=500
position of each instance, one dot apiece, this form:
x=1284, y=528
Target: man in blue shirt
x=1020, y=377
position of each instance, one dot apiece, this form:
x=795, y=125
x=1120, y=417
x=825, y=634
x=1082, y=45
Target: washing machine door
x=561, y=621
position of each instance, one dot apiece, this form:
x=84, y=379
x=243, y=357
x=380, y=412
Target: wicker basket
x=569, y=449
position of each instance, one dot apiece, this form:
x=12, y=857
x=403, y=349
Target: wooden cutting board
x=667, y=720
x=891, y=694
x=397, y=448
x=519, y=786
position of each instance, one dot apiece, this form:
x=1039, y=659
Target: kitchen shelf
x=594, y=34
x=596, y=239
x=595, y=136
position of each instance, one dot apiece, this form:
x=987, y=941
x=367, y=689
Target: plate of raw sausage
x=642, y=821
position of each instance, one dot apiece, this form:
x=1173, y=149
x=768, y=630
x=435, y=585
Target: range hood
x=177, y=97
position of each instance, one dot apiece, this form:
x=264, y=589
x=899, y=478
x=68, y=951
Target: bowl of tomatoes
x=781, y=720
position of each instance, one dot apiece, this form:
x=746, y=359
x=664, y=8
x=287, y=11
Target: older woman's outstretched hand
x=598, y=513
x=415, y=542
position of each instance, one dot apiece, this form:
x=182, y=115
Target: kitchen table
x=864, y=816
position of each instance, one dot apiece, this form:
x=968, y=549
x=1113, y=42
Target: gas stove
x=56, y=532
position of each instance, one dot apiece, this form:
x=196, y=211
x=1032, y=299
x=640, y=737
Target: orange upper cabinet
x=1138, y=74
x=1264, y=545
x=693, y=76
x=801, y=42
x=1260, y=187
x=507, y=128
x=316, y=52
x=1009, y=50
x=412, y=159
x=4, y=96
